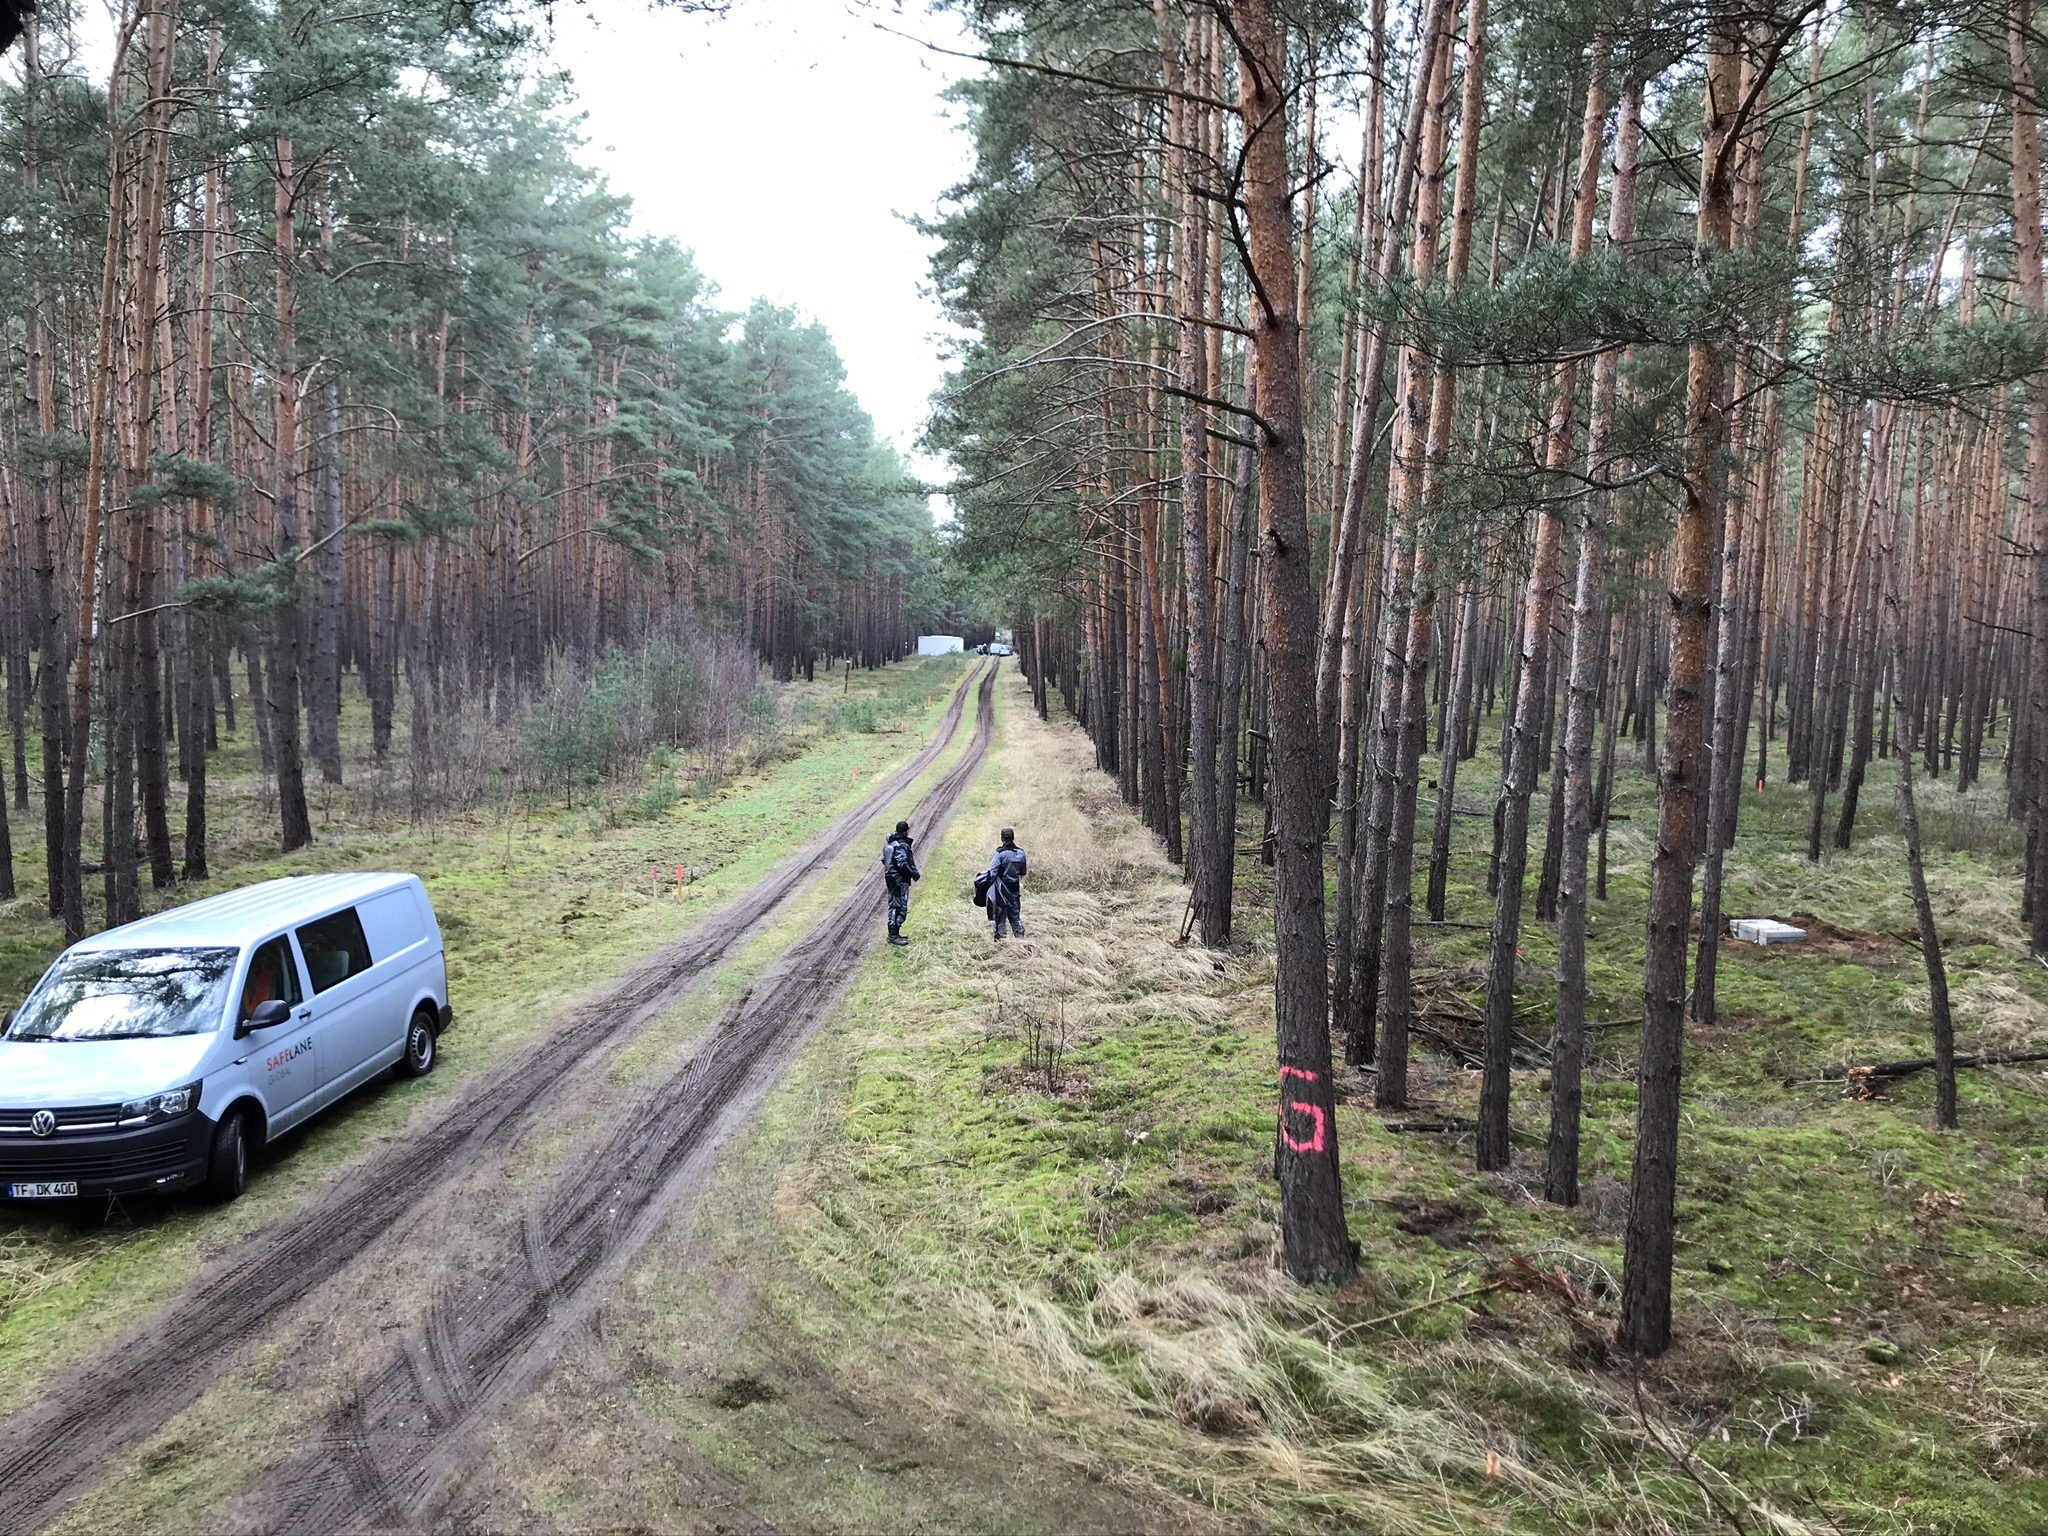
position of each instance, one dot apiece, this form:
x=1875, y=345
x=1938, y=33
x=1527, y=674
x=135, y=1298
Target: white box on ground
x=940, y=645
x=1765, y=930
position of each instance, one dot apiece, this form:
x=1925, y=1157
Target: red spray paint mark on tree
x=1315, y=1142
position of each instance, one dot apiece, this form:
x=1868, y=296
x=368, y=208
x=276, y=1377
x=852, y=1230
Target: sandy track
x=95, y=1414
x=382, y=1462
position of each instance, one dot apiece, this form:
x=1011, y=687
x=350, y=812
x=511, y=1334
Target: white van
x=160, y=1054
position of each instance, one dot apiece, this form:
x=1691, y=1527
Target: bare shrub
x=1045, y=1046
x=687, y=687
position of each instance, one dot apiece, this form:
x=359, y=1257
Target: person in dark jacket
x=899, y=868
x=1006, y=886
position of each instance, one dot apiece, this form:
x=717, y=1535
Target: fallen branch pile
x=1883, y=1070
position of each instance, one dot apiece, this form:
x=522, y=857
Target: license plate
x=65, y=1190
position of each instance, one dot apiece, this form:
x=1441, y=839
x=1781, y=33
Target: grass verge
x=1052, y=1168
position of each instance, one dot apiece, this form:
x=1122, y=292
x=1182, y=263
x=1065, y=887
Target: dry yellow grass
x=1102, y=904
x=1994, y=1014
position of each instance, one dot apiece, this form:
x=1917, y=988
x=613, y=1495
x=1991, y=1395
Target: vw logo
x=43, y=1122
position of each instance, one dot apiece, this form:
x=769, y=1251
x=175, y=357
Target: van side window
x=335, y=949
x=392, y=923
x=273, y=977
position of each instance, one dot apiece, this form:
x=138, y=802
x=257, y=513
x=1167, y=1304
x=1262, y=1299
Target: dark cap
x=1009, y=834
x=903, y=827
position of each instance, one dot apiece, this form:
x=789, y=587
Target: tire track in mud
x=96, y=1411
x=383, y=1461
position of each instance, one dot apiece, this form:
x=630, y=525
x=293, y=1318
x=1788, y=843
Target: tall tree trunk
x=1726, y=705
x=1590, y=629
x=1314, y=1239
x=1653, y=1190
x=42, y=412
x=1232, y=662
x=296, y=822
x=383, y=671
x=1190, y=289
x=206, y=644
x=1418, y=488
x=1358, y=478
x=158, y=423
x=118, y=170
x=134, y=699
x=1909, y=823
x=323, y=713
x=20, y=626
x=1361, y=949
x=1532, y=702
x=1453, y=751
x=2026, y=212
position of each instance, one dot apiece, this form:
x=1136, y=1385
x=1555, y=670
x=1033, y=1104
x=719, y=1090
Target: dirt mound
x=1824, y=938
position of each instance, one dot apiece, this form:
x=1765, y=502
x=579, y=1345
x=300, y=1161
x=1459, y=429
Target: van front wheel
x=422, y=1049
x=227, y=1172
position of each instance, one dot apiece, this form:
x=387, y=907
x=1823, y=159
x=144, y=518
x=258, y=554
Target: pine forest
x=1493, y=554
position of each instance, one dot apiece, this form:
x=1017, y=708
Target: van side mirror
x=266, y=1016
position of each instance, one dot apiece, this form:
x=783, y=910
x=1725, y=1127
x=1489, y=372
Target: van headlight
x=158, y=1107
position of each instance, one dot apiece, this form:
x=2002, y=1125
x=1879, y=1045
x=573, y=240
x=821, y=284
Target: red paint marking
x=679, y=874
x=1315, y=1142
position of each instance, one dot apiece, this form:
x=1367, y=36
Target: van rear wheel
x=422, y=1047
x=227, y=1171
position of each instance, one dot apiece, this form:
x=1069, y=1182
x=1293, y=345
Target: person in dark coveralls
x=899, y=868
x=1006, y=886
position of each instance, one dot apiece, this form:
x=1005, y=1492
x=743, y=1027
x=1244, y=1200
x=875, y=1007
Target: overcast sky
x=786, y=143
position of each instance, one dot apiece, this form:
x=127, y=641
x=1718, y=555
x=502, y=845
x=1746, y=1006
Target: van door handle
x=305, y=1013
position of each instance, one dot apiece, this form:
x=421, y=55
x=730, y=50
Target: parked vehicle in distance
x=159, y=1055
x=999, y=650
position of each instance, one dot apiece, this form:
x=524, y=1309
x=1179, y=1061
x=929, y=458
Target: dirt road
x=496, y=1322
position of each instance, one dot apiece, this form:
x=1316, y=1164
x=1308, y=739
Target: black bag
x=981, y=885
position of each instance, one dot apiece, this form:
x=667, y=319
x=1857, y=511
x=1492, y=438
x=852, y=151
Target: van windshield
x=128, y=994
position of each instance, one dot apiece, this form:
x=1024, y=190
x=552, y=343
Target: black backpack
x=981, y=885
